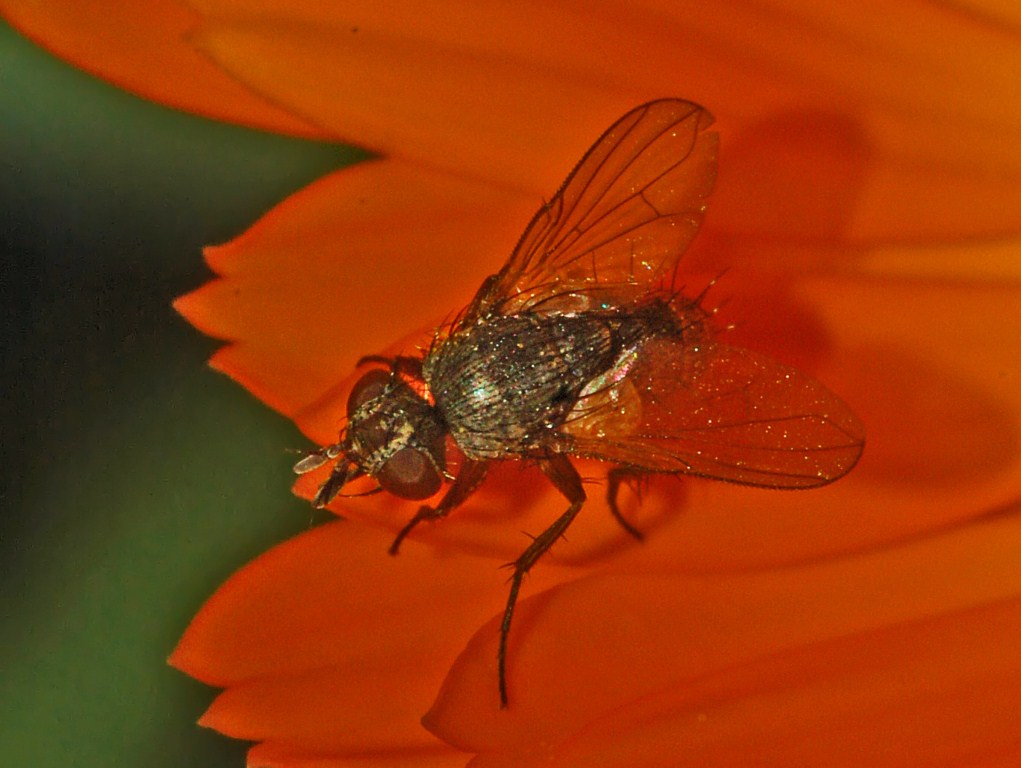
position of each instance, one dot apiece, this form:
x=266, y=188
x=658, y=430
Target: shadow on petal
x=791, y=177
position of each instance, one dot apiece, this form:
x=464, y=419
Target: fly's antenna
x=318, y=458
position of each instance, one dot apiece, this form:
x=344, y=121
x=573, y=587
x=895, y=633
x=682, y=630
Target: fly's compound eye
x=410, y=474
x=368, y=387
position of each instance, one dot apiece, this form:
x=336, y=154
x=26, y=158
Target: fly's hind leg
x=614, y=478
x=565, y=477
x=468, y=479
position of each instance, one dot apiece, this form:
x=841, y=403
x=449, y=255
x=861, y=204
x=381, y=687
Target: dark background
x=135, y=479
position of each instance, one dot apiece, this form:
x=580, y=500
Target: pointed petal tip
x=204, y=308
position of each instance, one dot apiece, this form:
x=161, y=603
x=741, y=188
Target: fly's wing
x=720, y=412
x=621, y=220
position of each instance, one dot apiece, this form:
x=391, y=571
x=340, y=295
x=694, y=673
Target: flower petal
x=145, y=48
x=328, y=644
x=934, y=623
x=326, y=711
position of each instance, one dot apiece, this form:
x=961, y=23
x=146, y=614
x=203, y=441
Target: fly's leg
x=468, y=479
x=614, y=478
x=402, y=364
x=366, y=359
x=329, y=489
x=342, y=474
x=565, y=477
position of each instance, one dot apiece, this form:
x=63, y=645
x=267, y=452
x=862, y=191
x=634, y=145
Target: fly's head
x=393, y=435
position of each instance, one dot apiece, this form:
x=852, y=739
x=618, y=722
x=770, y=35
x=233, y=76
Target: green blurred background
x=135, y=479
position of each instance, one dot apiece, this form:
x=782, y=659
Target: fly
x=580, y=347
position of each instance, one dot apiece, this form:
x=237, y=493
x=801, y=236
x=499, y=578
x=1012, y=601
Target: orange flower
x=869, y=209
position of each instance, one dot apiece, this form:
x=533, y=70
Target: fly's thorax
x=504, y=385
x=395, y=436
